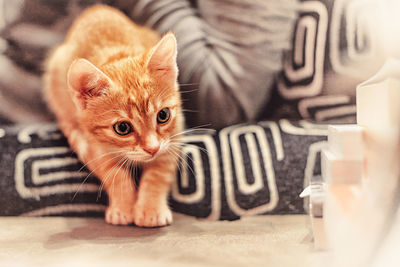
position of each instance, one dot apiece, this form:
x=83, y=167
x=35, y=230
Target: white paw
x=148, y=216
x=117, y=216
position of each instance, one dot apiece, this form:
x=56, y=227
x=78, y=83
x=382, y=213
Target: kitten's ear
x=86, y=81
x=162, y=59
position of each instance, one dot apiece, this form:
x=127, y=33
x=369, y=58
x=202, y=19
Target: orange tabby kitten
x=113, y=88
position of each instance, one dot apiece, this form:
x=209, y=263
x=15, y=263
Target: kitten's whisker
x=107, y=177
x=201, y=127
x=115, y=174
x=193, y=129
x=174, y=146
x=87, y=177
x=126, y=177
x=189, y=91
x=120, y=184
x=180, y=144
x=189, y=145
x=99, y=157
x=179, y=163
x=103, y=163
x=176, y=160
x=103, y=181
x=187, y=84
x=182, y=160
x=131, y=174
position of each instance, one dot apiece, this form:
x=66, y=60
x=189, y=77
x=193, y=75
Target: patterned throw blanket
x=241, y=170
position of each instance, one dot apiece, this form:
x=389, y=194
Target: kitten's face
x=141, y=128
x=133, y=106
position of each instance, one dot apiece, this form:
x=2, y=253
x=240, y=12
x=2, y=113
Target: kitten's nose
x=152, y=150
x=151, y=144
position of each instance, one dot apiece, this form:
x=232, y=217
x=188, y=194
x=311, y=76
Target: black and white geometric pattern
x=241, y=170
x=336, y=45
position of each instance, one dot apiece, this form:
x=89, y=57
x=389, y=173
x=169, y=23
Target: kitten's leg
x=113, y=173
x=121, y=192
x=151, y=208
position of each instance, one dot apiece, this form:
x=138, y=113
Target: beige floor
x=254, y=241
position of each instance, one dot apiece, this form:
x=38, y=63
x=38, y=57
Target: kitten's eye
x=123, y=128
x=163, y=115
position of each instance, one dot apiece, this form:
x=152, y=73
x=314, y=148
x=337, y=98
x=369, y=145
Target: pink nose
x=152, y=150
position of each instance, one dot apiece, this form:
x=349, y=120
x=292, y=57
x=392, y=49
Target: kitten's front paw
x=117, y=216
x=147, y=216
